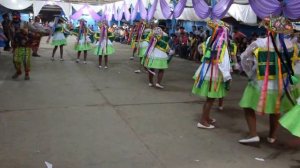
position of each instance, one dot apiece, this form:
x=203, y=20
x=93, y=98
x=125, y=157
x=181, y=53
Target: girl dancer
x=104, y=44
x=270, y=74
x=290, y=120
x=213, y=76
x=156, y=56
x=83, y=41
x=144, y=33
x=59, y=39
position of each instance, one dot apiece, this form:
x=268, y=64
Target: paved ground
x=77, y=116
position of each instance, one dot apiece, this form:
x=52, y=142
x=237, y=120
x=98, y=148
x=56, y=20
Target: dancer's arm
x=248, y=60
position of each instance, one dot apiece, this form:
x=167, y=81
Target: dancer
x=6, y=23
x=144, y=32
x=83, y=40
x=134, y=38
x=212, y=78
x=104, y=44
x=270, y=74
x=290, y=120
x=234, y=66
x=156, y=56
x=59, y=39
x=40, y=31
x=296, y=62
x=21, y=44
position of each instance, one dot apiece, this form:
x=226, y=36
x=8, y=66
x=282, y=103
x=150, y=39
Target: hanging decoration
x=134, y=11
x=152, y=10
x=87, y=8
x=107, y=13
x=118, y=12
x=142, y=9
x=263, y=8
x=217, y=11
x=168, y=12
x=126, y=12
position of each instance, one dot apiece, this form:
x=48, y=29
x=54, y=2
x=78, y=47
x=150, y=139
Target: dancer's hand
x=227, y=85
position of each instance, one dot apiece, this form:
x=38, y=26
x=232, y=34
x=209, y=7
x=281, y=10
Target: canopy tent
x=16, y=4
x=241, y=10
x=38, y=5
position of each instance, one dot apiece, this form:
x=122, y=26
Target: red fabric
x=238, y=36
x=184, y=39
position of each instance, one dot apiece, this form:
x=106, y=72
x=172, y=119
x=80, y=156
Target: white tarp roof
x=241, y=11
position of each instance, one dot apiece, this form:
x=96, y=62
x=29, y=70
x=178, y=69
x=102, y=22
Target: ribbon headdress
x=83, y=31
x=157, y=34
x=102, y=37
x=217, y=42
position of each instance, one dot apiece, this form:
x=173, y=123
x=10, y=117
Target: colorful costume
x=213, y=75
x=296, y=62
x=156, y=56
x=22, y=53
x=290, y=120
x=83, y=41
x=59, y=38
x=39, y=32
x=21, y=44
x=269, y=70
x=104, y=45
x=144, y=42
x=133, y=36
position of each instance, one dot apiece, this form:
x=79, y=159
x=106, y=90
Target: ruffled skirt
x=59, y=39
x=250, y=99
x=291, y=121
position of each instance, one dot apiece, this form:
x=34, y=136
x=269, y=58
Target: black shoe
x=15, y=76
x=36, y=55
x=27, y=77
x=6, y=49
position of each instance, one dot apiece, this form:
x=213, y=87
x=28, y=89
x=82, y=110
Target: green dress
x=291, y=120
x=208, y=83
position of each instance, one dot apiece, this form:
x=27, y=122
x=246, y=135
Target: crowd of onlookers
x=188, y=45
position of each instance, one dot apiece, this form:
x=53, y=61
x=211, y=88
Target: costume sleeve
x=224, y=66
x=248, y=60
x=31, y=27
x=66, y=28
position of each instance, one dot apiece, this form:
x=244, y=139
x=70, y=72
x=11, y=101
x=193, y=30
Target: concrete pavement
x=77, y=116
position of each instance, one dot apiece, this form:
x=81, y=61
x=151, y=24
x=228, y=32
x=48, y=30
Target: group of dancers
x=24, y=39
x=151, y=44
x=100, y=42
x=272, y=65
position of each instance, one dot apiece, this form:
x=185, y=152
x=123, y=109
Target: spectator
x=207, y=34
x=7, y=32
x=254, y=36
x=183, y=43
x=193, y=47
x=237, y=35
x=197, y=32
